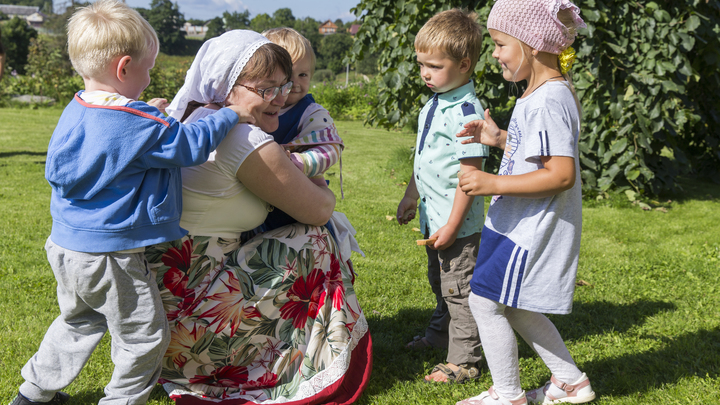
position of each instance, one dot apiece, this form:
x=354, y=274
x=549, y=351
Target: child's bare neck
x=99, y=85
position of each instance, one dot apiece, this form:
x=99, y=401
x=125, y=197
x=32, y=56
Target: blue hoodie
x=115, y=173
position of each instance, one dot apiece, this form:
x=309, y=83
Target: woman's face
x=265, y=113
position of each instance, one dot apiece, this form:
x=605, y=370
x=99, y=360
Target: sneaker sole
x=572, y=400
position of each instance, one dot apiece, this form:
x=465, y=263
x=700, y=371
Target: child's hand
x=485, y=132
x=477, y=182
x=244, y=115
x=406, y=210
x=159, y=103
x=319, y=181
x=445, y=236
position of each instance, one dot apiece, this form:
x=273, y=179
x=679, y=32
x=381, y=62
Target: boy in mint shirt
x=448, y=47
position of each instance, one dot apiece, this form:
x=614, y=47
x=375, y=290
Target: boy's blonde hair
x=294, y=42
x=104, y=30
x=454, y=32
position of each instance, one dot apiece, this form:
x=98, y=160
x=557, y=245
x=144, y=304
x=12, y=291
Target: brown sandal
x=465, y=373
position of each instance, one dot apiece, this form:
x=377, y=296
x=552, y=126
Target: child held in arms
x=306, y=129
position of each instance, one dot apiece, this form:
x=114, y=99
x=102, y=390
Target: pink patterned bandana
x=535, y=22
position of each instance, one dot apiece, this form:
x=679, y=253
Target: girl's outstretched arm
x=485, y=132
x=557, y=175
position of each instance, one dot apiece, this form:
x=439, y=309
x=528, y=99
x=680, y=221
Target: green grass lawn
x=646, y=319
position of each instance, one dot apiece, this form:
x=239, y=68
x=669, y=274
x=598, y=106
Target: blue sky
x=321, y=10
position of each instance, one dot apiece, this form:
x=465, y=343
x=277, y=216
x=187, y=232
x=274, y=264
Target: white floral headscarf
x=215, y=69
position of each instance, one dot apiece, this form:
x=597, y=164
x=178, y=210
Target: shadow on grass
x=18, y=153
x=695, y=189
x=599, y=317
x=695, y=354
x=692, y=354
x=92, y=397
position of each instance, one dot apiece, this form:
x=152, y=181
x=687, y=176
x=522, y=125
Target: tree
x=283, y=17
x=333, y=50
x=236, y=20
x=261, y=22
x=166, y=19
x=646, y=73
x=340, y=26
x=308, y=27
x=216, y=27
x=16, y=37
x=196, y=22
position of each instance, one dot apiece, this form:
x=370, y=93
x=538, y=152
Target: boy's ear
x=464, y=65
x=121, y=66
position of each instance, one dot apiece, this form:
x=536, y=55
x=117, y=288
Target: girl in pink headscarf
x=527, y=260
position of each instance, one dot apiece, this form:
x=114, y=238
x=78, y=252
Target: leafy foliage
x=352, y=102
x=262, y=22
x=165, y=17
x=216, y=27
x=333, y=49
x=16, y=37
x=236, y=20
x=166, y=78
x=647, y=74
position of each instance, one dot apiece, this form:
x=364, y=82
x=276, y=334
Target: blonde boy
x=113, y=164
x=448, y=47
x=306, y=128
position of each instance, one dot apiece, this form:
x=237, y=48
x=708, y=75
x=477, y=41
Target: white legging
x=496, y=323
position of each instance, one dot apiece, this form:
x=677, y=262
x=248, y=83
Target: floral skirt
x=271, y=320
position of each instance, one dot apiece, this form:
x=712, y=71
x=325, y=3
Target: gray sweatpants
x=100, y=292
x=452, y=324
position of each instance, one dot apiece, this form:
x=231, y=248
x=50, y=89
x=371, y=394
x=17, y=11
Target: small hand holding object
x=159, y=103
x=485, y=131
x=443, y=238
x=406, y=210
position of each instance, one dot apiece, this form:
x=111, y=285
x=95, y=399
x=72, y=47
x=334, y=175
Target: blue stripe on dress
x=500, y=268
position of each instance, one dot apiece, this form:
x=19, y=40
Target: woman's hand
x=270, y=175
x=485, y=132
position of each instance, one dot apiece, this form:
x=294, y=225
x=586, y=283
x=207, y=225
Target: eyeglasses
x=270, y=93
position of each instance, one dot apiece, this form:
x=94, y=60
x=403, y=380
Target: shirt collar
x=454, y=96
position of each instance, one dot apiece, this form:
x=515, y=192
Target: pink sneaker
x=556, y=392
x=490, y=397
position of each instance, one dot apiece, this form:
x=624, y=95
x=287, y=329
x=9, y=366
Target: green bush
x=16, y=37
x=166, y=78
x=647, y=74
x=348, y=103
x=323, y=75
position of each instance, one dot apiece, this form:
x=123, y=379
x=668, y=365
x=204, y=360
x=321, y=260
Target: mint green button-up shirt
x=437, y=158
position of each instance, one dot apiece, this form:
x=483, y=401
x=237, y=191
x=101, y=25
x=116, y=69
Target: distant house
x=36, y=20
x=328, y=27
x=354, y=29
x=194, y=30
x=31, y=14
